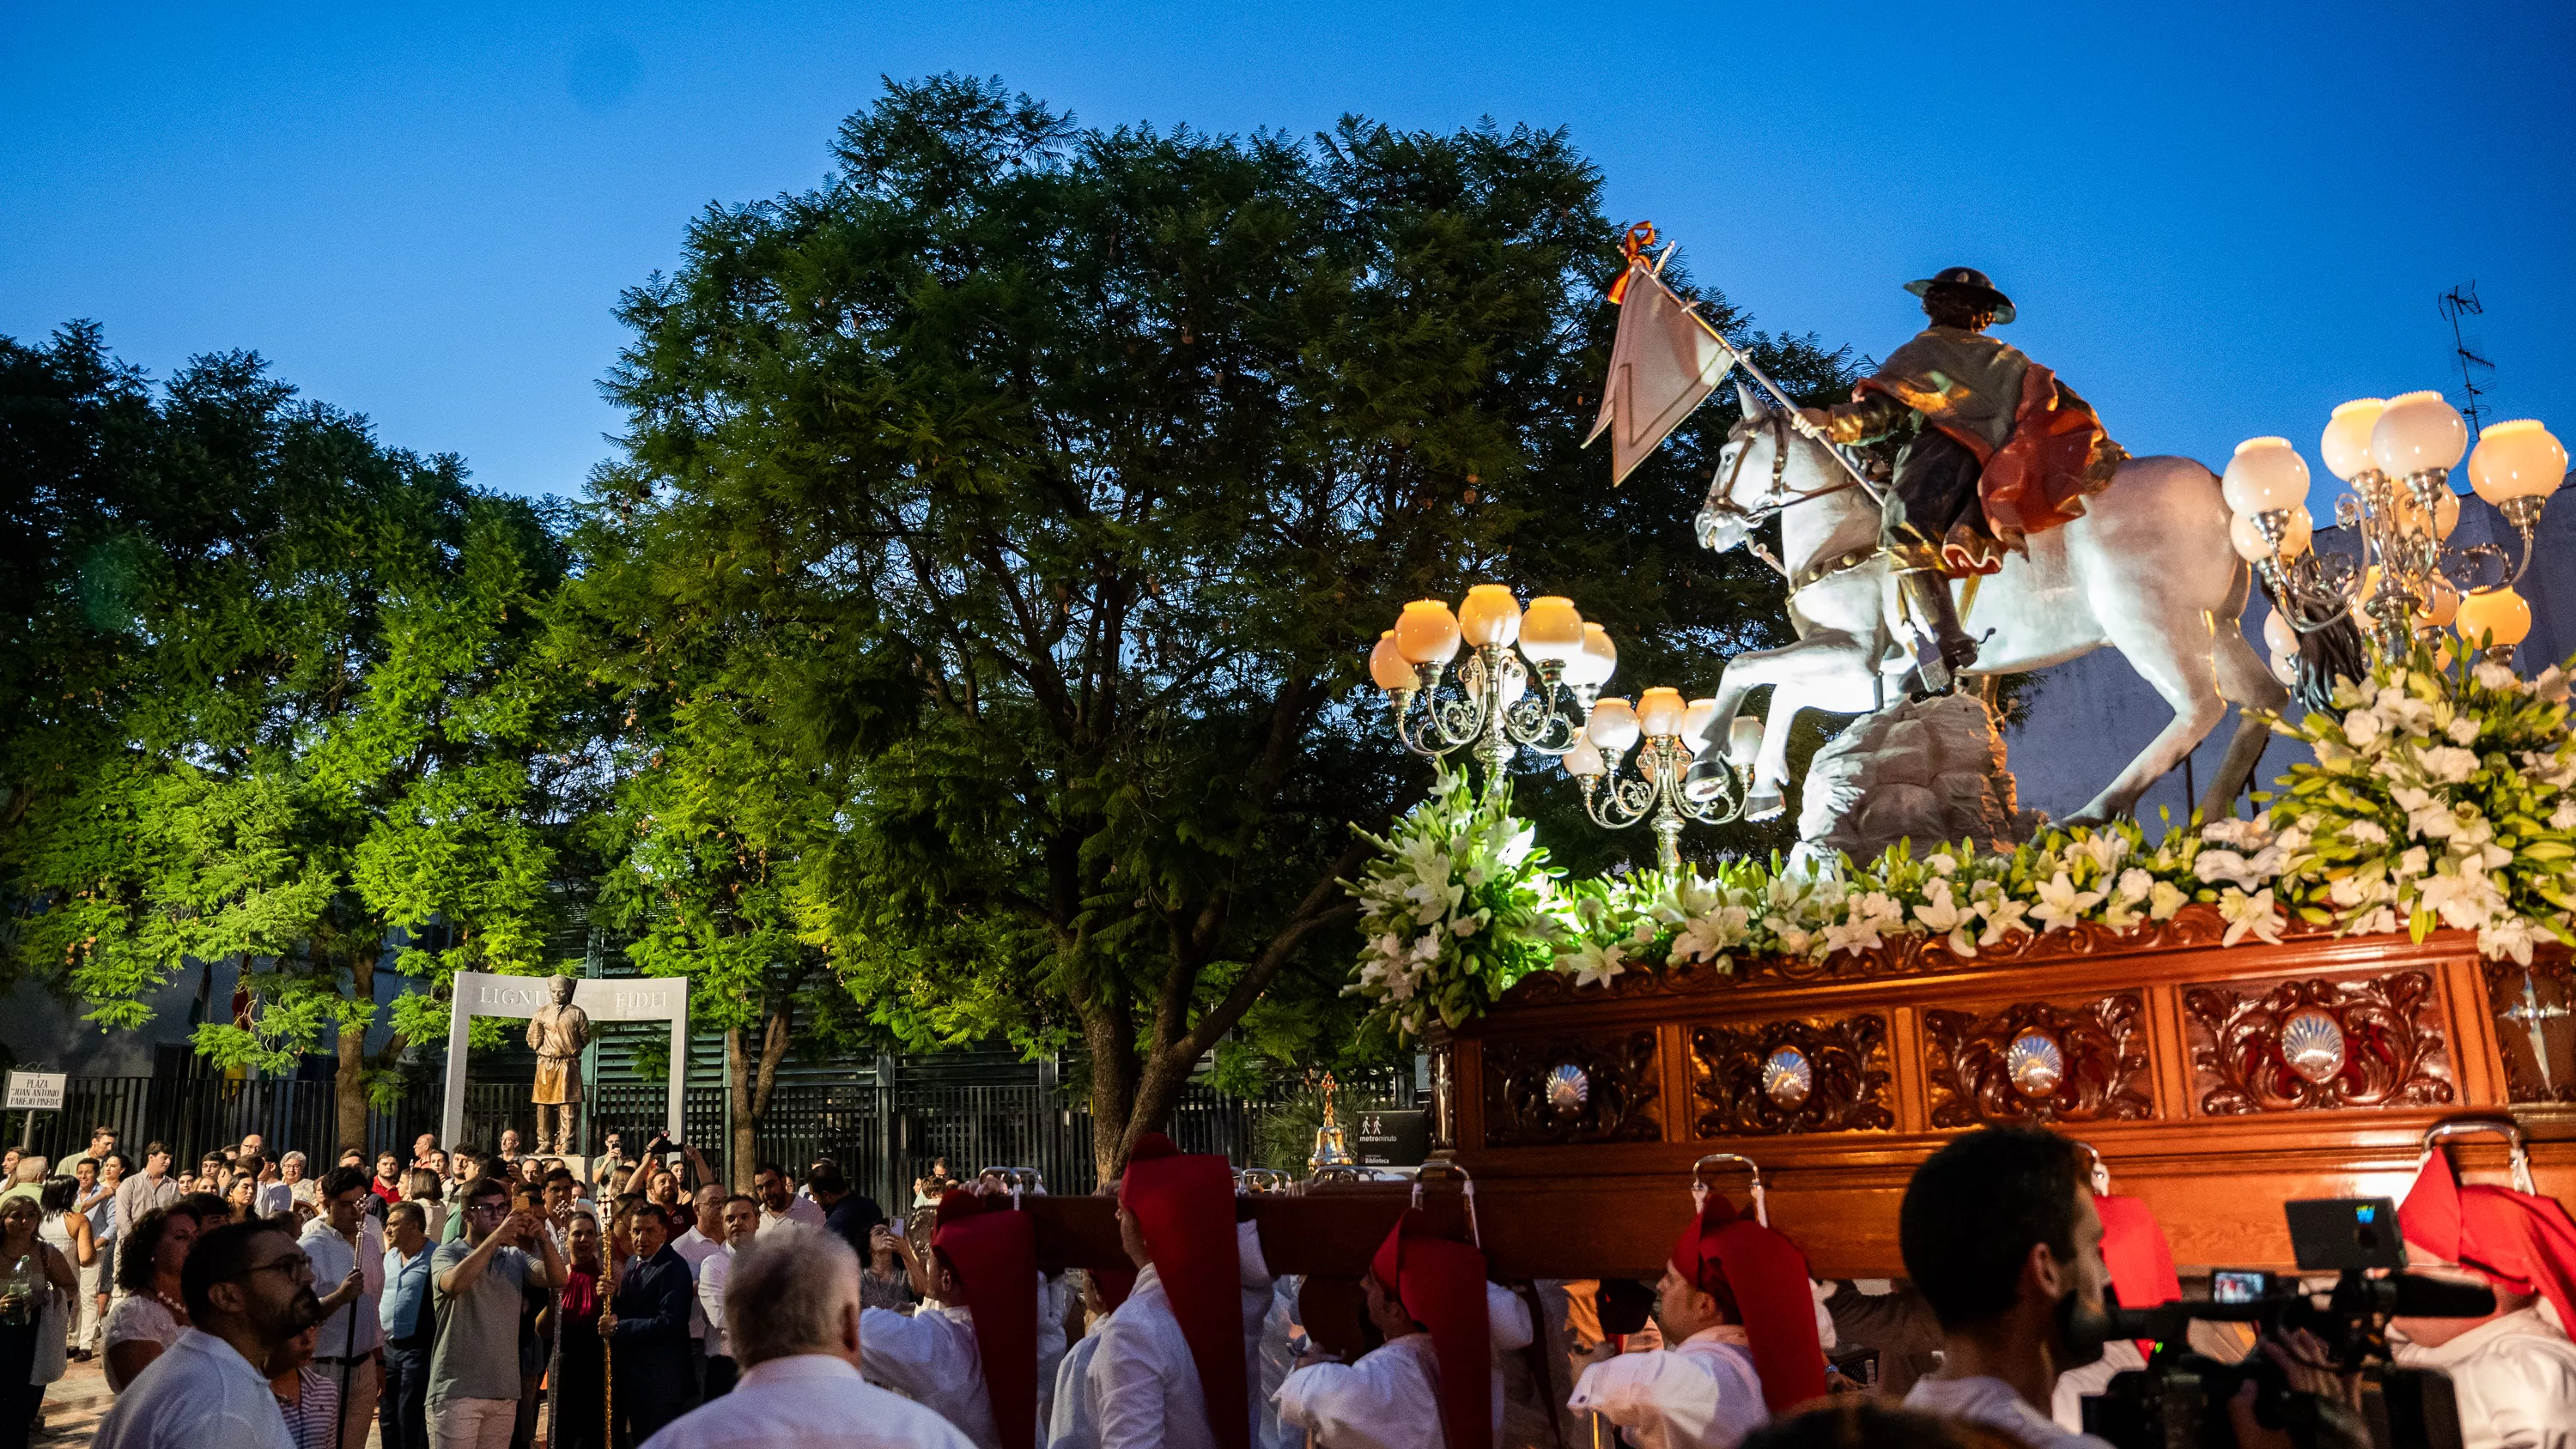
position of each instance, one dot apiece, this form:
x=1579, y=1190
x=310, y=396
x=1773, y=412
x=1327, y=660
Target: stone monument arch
x=481, y=993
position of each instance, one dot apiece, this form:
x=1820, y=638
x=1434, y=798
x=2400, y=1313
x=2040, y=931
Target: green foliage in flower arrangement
x=1457, y=903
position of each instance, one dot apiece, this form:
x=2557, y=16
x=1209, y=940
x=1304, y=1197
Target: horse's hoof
x=1764, y=805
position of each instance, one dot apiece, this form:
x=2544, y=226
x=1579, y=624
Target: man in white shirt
x=249, y=1289
x=1174, y=1362
x=1433, y=1384
x=792, y=1315
x=2001, y=1237
x=972, y=1355
x=1740, y=1335
x=2513, y=1372
x=778, y=1200
x=1073, y=1418
x=705, y=1236
x=341, y=1238
x=715, y=1271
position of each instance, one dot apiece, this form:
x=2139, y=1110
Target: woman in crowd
x=292, y=1171
x=583, y=1408
x=886, y=1282
x=25, y=1320
x=66, y=1230
x=149, y=1315
x=425, y=1188
x=241, y=1198
x=95, y=1198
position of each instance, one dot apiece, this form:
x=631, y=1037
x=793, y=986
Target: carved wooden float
x=1579, y=1112
x=2216, y=1082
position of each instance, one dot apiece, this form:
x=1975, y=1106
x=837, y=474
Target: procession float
x=2302, y=1001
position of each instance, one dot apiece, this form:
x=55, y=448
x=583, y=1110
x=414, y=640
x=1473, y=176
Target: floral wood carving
x=1790, y=1076
x=2316, y=1044
x=2535, y=1009
x=2033, y=1062
x=2192, y=926
x=1571, y=1089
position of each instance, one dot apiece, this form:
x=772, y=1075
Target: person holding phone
x=477, y=1284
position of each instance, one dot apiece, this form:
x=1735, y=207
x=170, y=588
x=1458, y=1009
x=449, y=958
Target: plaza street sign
x=36, y=1091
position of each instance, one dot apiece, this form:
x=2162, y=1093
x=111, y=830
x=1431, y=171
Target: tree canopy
x=968, y=637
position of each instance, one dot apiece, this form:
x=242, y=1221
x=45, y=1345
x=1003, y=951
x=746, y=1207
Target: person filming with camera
x=2001, y=1237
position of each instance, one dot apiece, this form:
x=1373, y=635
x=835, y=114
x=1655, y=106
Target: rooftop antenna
x=2462, y=301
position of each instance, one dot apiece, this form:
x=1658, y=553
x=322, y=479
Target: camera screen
x=2233, y=1285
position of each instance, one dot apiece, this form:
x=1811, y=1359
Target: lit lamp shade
x=1489, y=615
x=1660, y=711
x=2346, y=445
x=2295, y=535
x=2418, y=431
x=1613, y=726
x=1744, y=739
x=2517, y=459
x=1388, y=667
x=2500, y=618
x=1551, y=631
x=1584, y=760
x=2445, y=606
x=2266, y=474
x=1426, y=633
x=1592, y=667
x=1695, y=722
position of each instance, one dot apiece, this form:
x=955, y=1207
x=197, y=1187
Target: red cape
x=993, y=1250
x=1184, y=1203
x=1763, y=1277
x=1441, y=1284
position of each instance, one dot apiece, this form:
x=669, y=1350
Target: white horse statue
x=2147, y=570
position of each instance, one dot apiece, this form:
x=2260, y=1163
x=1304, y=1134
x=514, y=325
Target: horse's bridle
x=1778, y=496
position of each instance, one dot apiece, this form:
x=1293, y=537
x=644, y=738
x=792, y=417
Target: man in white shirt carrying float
x=974, y=1359
x=1174, y=1362
x=2513, y=1373
x=1739, y=1327
x=791, y=1313
x=1433, y=1384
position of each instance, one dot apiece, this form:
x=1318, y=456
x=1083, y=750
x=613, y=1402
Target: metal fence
x=197, y=1114
x=885, y=1129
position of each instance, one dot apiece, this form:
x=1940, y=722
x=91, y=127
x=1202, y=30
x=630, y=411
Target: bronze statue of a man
x=557, y=1033
x=1993, y=448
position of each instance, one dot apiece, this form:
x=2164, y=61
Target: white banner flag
x=1665, y=362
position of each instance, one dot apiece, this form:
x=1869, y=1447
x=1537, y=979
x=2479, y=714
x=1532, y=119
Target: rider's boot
x=1927, y=593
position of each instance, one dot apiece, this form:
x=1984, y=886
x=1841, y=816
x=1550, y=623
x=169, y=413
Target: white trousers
x=361, y=1384
x=472, y=1423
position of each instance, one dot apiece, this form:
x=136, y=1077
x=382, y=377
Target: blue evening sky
x=2218, y=220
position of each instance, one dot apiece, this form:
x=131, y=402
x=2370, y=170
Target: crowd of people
x=478, y=1300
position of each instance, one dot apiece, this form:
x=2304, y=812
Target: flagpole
x=1744, y=359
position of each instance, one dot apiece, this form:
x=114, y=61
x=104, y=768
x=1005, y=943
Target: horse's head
x=1756, y=450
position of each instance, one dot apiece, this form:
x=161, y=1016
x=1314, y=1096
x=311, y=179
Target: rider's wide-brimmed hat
x=1969, y=280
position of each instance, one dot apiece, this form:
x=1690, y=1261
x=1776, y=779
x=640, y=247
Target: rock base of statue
x=1926, y=771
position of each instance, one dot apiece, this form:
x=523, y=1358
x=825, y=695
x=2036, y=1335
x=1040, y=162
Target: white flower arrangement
x=2444, y=794
x=1457, y=904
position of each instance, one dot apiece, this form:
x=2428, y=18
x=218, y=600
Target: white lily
x=2249, y=915
x=2061, y=904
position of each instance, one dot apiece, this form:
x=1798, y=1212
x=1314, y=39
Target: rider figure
x=1993, y=447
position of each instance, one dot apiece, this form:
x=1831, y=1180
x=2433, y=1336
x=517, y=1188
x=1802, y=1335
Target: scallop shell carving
x=2035, y=1064
x=1788, y=1077
x=1567, y=1088
x=2313, y=1045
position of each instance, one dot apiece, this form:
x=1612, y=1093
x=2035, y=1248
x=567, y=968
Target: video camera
x=2179, y=1400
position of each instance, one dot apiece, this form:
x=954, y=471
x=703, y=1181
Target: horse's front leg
x=1829, y=669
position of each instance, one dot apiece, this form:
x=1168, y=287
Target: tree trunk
x=1110, y=1035
x=350, y=1092
x=752, y=1085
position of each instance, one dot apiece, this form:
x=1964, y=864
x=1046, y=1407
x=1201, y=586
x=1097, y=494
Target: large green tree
x=1002, y=528
x=291, y=717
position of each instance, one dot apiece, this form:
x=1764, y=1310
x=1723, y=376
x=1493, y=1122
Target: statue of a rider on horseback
x=1992, y=448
